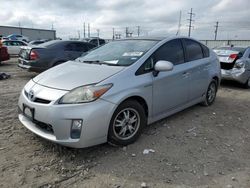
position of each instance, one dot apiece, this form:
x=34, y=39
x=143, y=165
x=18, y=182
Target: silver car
x=235, y=64
x=111, y=93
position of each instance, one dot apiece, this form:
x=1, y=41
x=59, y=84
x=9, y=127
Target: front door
x=171, y=88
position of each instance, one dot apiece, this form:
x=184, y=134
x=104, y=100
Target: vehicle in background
x=235, y=63
x=14, y=46
x=115, y=90
x=17, y=37
x=4, y=55
x=37, y=42
x=49, y=54
x=95, y=41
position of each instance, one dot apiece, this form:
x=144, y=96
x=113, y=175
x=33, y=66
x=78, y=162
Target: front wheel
x=126, y=123
x=211, y=93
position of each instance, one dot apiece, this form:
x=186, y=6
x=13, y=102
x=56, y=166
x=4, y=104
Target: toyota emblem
x=31, y=95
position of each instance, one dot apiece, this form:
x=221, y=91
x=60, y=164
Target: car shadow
x=232, y=85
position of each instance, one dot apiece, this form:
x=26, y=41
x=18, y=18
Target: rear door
x=197, y=58
x=170, y=89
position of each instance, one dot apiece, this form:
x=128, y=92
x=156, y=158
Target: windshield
x=119, y=53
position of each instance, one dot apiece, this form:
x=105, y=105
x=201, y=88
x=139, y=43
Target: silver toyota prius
x=112, y=92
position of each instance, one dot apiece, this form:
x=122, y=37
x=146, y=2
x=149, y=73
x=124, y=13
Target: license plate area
x=28, y=112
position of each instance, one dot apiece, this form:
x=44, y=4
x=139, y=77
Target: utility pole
x=79, y=35
x=88, y=31
x=179, y=25
x=138, y=30
x=21, y=30
x=52, y=26
x=113, y=33
x=126, y=32
x=190, y=21
x=216, y=30
x=84, y=31
x=98, y=32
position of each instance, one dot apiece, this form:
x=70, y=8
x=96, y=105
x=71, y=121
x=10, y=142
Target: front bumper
x=239, y=75
x=95, y=115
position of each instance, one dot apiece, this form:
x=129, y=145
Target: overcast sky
x=155, y=17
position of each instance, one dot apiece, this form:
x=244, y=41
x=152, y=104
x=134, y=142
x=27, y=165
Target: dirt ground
x=198, y=147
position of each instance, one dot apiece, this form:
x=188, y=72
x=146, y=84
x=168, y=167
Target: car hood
x=71, y=74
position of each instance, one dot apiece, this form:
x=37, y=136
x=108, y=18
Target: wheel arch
x=140, y=100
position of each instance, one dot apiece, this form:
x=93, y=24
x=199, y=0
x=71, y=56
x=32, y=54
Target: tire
x=247, y=84
x=211, y=93
x=126, y=123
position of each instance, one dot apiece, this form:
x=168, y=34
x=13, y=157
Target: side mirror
x=163, y=66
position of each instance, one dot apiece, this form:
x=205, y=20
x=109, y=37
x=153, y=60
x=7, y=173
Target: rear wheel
x=211, y=93
x=127, y=123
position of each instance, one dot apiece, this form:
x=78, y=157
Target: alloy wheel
x=126, y=123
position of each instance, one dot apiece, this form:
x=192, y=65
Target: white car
x=14, y=46
x=18, y=37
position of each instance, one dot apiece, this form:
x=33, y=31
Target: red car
x=4, y=55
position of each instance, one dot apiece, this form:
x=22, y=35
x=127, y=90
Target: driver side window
x=171, y=51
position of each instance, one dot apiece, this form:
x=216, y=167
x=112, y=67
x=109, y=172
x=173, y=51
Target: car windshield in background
x=119, y=53
x=237, y=49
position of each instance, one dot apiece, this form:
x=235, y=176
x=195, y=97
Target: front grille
x=227, y=66
x=44, y=101
x=44, y=126
x=37, y=100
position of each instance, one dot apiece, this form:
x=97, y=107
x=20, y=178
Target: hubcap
x=126, y=123
x=211, y=92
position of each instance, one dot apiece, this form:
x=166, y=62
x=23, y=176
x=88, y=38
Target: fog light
x=76, y=128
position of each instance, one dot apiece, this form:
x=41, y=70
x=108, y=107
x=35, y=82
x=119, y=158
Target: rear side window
x=101, y=41
x=205, y=51
x=81, y=47
x=171, y=51
x=70, y=47
x=193, y=50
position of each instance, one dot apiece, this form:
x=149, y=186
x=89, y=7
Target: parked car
x=4, y=55
x=14, y=46
x=49, y=54
x=115, y=90
x=18, y=37
x=235, y=64
x=37, y=42
x=95, y=41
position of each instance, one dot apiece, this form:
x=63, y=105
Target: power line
x=191, y=14
x=216, y=30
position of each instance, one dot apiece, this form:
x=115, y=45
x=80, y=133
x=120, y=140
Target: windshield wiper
x=101, y=63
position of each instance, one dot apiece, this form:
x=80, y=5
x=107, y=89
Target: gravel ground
x=198, y=147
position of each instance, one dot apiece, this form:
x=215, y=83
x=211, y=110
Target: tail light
x=233, y=57
x=33, y=55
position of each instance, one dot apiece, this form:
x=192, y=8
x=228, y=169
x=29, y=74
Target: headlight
x=84, y=94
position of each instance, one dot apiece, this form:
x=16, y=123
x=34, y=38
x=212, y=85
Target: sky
x=155, y=18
